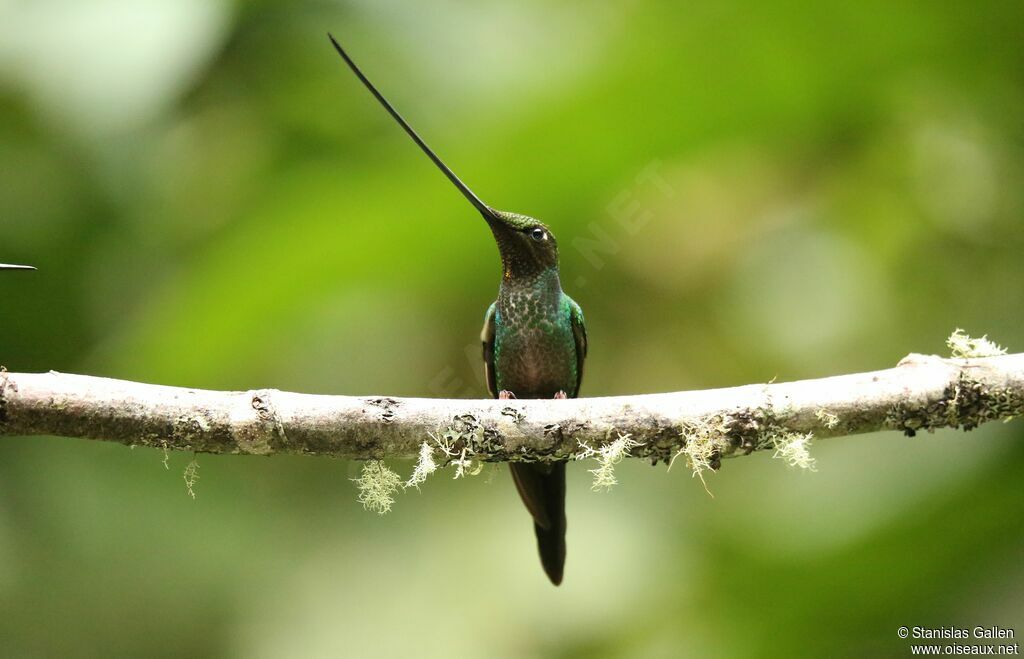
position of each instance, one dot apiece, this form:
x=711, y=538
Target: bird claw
x=508, y=395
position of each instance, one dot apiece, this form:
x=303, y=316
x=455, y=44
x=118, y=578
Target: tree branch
x=921, y=393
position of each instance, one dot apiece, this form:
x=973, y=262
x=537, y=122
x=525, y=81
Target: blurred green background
x=742, y=191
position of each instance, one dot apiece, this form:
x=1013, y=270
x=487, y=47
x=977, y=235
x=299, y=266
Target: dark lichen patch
x=255, y=440
x=186, y=429
x=466, y=445
x=515, y=414
x=972, y=404
x=764, y=428
x=388, y=407
x=554, y=432
x=487, y=443
x=573, y=428
x=965, y=404
x=659, y=441
x=470, y=429
x=741, y=432
x=656, y=452
x=262, y=406
x=745, y=430
x=1004, y=404
x=908, y=421
x=181, y=433
x=467, y=438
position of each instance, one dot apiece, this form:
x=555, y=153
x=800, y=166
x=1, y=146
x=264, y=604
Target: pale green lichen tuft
x=377, y=485
x=793, y=447
x=963, y=346
x=466, y=466
x=705, y=439
x=607, y=457
x=425, y=465
x=191, y=476
x=166, y=460
x=829, y=420
x=446, y=441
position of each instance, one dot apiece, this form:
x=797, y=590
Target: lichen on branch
x=963, y=346
x=377, y=486
x=706, y=427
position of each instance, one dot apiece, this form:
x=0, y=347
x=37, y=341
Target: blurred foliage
x=742, y=191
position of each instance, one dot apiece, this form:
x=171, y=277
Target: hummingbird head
x=526, y=245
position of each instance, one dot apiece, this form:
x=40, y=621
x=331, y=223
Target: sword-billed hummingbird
x=534, y=340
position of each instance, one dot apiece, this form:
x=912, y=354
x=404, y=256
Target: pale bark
x=921, y=393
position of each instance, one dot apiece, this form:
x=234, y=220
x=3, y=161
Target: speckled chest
x=534, y=348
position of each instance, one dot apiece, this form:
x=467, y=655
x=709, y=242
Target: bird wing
x=579, y=333
x=487, y=339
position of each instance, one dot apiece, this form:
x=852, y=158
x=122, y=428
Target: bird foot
x=561, y=395
x=505, y=395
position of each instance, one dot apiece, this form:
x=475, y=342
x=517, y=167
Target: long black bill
x=484, y=209
x=8, y=266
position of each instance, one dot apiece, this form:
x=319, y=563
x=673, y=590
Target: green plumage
x=534, y=340
x=537, y=339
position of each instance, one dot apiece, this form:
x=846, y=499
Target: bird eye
x=538, y=234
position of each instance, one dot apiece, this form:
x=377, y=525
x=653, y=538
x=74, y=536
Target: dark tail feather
x=542, y=488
